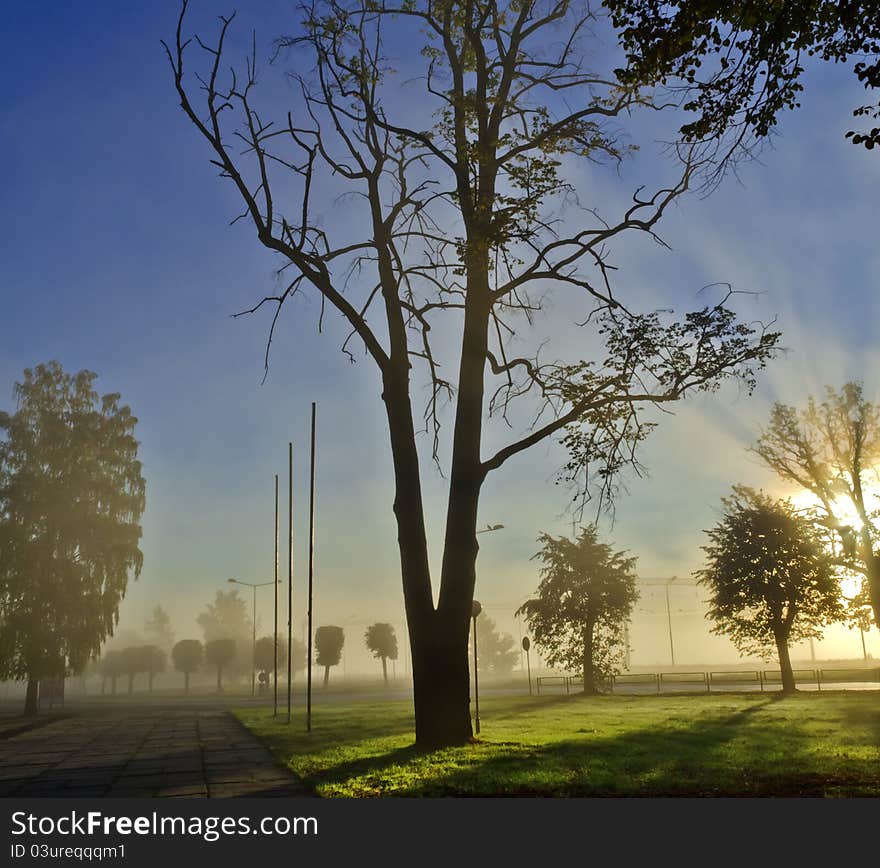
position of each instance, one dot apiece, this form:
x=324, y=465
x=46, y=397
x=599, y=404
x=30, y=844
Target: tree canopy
x=381, y=641
x=585, y=597
x=188, y=655
x=158, y=626
x=770, y=577
x=497, y=653
x=739, y=64
x=71, y=497
x=329, y=641
x=831, y=448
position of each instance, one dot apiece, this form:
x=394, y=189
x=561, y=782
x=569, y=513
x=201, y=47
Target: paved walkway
x=199, y=753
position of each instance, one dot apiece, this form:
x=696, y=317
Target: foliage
x=188, y=655
x=71, y=498
x=159, y=627
x=585, y=597
x=497, y=653
x=831, y=448
x=769, y=575
x=328, y=645
x=112, y=665
x=265, y=650
x=381, y=640
x=739, y=64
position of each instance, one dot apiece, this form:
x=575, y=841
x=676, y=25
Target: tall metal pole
x=254, y=648
x=476, y=608
x=289, y=575
x=311, y=572
x=669, y=623
x=275, y=633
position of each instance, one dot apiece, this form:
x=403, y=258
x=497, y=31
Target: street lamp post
x=526, y=644
x=254, y=586
x=476, y=608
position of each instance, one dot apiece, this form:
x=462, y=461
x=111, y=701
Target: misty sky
x=118, y=256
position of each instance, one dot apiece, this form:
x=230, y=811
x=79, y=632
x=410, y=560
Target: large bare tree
x=458, y=198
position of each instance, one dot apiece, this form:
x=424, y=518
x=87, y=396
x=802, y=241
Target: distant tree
x=133, y=662
x=154, y=662
x=187, y=655
x=831, y=449
x=770, y=577
x=158, y=627
x=220, y=653
x=738, y=63
x=227, y=618
x=111, y=665
x=71, y=498
x=586, y=595
x=264, y=651
x=328, y=645
x=496, y=652
x=381, y=641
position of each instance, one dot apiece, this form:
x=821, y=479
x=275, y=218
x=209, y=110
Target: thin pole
x=529, y=665
x=476, y=681
x=289, y=575
x=311, y=572
x=275, y=657
x=669, y=622
x=864, y=650
x=254, y=649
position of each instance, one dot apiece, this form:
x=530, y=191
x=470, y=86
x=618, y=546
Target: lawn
x=702, y=745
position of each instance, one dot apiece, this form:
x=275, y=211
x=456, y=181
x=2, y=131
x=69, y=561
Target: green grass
x=731, y=745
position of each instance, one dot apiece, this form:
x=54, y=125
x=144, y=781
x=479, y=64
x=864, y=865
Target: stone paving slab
x=179, y=753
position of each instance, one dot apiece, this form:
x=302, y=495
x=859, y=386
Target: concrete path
x=140, y=751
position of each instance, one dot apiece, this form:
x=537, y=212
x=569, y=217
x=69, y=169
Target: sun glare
x=841, y=507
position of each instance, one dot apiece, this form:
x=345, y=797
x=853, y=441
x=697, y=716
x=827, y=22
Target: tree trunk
x=788, y=685
x=590, y=688
x=113, y=685
x=131, y=684
x=31, y=701
x=441, y=687
x=151, y=682
x=186, y=683
x=219, y=679
x=326, y=676
x=874, y=587
x=385, y=670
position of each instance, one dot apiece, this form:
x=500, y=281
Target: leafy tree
x=381, y=640
x=265, y=648
x=770, y=577
x=71, y=498
x=133, y=663
x=154, y=662
x=220, y=653
x=454, y=226
x=111, y=665
x=496, y=652
x=739, y=64
x=328, y=645
x=585, y=598
x=227, y=618
x=158, y=626
x=831, y=449
x=187, y=655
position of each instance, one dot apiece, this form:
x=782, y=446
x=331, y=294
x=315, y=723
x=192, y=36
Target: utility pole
x=275, y=633
x=311, y=572
x=669, y=621
x=289, y=577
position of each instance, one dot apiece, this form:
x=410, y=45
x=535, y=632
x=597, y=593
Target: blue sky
x=117, y=256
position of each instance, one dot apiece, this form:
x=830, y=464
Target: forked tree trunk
x=31, y=700
x=786, y=672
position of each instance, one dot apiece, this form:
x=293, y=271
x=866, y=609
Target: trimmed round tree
x=220, y=653
x=586, y=594
x=328, y=644
x=381, y=641
x=188, y=655
x=771, y=578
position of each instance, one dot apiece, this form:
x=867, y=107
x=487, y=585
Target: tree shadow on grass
x=757, y=750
